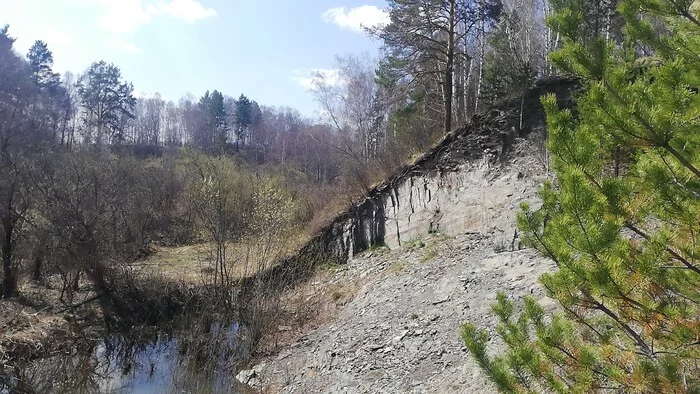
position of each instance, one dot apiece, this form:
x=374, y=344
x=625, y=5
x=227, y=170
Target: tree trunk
x=37, y=266
x=9, y=284
x=482, y=39
x=448, y=95
x=449, y=69
x=75, y=285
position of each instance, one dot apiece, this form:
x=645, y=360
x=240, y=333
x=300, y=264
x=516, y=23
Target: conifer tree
x=243, y=118
x=622, y=228
x=41, y=64
x=106, y=100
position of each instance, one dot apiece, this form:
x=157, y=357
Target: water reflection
x=200, y=360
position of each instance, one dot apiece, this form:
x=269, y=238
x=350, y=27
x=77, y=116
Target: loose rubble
x=401, y=331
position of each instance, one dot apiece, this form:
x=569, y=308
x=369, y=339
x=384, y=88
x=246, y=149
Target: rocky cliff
x=444, y=189
x=447, y=223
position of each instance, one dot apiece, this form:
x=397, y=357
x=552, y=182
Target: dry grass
x=308, y=306
x=27, y=331
x=396, y=267
x=192, y=263
x=181, y=263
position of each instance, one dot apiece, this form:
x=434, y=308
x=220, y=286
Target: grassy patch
x=430, y=251
x=333, y=266
x=415, y=243
x=344, y=292
x=396, y=267
x=192, y=263
x=379, y=248
x=429, y=254
x=184, y=263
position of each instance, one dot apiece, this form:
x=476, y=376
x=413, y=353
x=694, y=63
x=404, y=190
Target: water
x=200, y=360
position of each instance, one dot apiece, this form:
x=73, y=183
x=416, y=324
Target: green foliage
x=107, y=101
x=415, y=243
x=376, y=247
x=424, y=42
x=334, y=265
x=273, y=209
x=215, y=127
x=243, y=115
x=511, y=63
x=429, y=254
x=620, y=222
x=41, y=63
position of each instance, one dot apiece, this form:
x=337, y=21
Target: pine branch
x=625, y=327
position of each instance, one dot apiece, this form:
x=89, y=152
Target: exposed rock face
x=452, y=203
x=444, y=190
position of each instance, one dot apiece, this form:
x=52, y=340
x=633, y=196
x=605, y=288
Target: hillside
x=443, y=242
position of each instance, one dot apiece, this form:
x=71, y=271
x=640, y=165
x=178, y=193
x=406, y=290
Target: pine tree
x=41, y=64
x=107, y=101
x=425, y=40
x=511, y=63
x=243, y=117
x=217, y=112
x=621, y=220
x=214, y=128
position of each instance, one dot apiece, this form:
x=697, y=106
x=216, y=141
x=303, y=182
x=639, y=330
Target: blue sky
x=265, y=49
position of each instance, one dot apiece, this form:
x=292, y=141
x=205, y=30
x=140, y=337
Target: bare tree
x=352, y=106
x=172, y=125
x=221, y=198
x=69, y=106
x=148, y=120
x=17, y=95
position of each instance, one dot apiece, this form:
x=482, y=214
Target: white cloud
x=309, y=78
x=122, y=16
x=119, y=43
x=188, y=10
x=56, y=38
x=127, y=16
x=356, y=19
x=53, y=37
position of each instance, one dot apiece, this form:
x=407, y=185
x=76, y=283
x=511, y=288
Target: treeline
x=444, y=61
x=79, y=202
